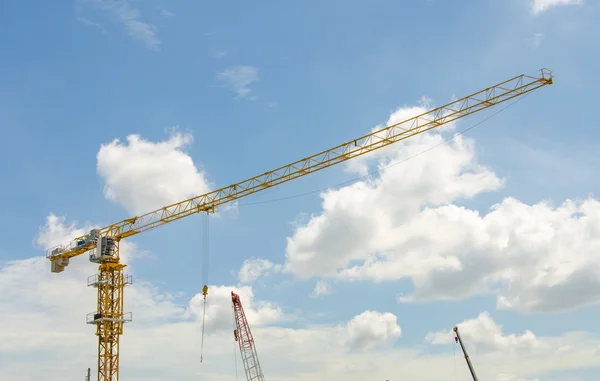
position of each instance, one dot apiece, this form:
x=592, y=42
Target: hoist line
x=202, y=340
x=206, y=251
x=205, y=262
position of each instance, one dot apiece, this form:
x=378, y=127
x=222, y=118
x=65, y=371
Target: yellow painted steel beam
x=437, y=117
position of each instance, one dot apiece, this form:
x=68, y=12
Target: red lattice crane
x=243, y=336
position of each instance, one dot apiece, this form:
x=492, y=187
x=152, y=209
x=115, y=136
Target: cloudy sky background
x=114, y=108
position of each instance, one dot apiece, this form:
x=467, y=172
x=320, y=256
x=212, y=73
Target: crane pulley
x=103, y=244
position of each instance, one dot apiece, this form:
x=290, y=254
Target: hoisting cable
x=205, y=262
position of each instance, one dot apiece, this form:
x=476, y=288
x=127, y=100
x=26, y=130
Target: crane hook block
x=205, y=290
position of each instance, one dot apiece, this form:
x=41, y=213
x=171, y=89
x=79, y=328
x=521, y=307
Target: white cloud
x=539, y=6
x=56, y=231
x=46, y=313
x=219, y=309
x=322, y=287
x=371, y=329
x=494, y=352
x=128, y=16
x=254, y=268
x=484, y=335
x=360, y=165
x=358, y=218
x=143, y=176
x=44, y=332
x=239, y=78
x=403, y=223
x=564, y=349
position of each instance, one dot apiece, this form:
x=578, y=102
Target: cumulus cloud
x=219, y=309
x=484, y=335
x=539, y=6
x=361, y=164
x=57, y=231
x=46, y=314
x=254, y=268
x=405, y=223
x=129, y=17
x=322, y=287
x=494, y=351
x=143, y=176
x=370, y=329
x=45, y=335
x=239, y=78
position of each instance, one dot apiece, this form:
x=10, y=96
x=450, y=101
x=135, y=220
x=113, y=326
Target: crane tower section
x=243, y=336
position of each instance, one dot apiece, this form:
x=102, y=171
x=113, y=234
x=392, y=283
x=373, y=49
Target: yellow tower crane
x=103, y=244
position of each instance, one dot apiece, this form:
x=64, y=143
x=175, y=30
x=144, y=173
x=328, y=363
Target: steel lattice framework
x=110, y=317
x=243, y=335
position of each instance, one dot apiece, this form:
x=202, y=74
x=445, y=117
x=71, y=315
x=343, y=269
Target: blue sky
x=258, y=85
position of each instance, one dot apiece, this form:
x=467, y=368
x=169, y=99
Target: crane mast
x=459, y=340
x=103, y=244
x=243, y=336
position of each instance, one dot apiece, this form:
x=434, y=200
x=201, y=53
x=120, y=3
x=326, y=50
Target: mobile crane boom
x=103, y=243
x=459, y=340
x=243, y=336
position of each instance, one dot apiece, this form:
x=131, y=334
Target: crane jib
x=377, y=139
